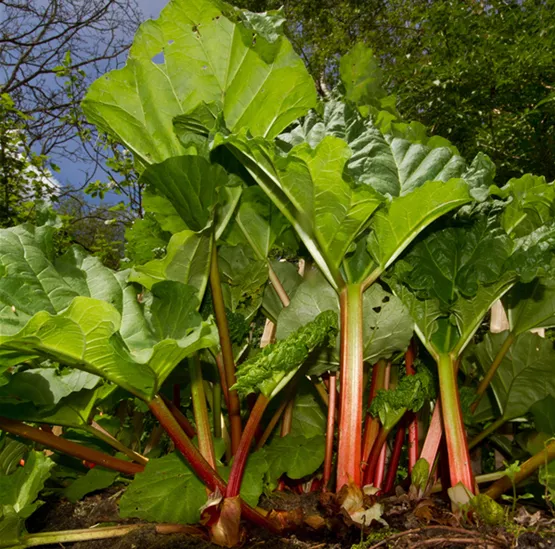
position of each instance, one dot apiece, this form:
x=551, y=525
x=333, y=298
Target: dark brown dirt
x=427, y=524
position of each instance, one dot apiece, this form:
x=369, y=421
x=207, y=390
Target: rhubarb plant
x=248, y=176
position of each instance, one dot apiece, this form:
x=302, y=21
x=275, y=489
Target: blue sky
x=74, y=173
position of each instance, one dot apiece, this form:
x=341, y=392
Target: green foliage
x=411, y=393
x=18, y=496
x=270, y=369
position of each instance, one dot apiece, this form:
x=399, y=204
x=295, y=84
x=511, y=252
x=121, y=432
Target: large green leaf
x=391, y=165
x=393, y=228
x=191, y=184
x=134, y=346
x=176, y=63
x=72, y=411
x=243, y=277
x=531, y=205
x=187, y=260
x=167, y=491
x=526, y=374
x=257, y=221
x=309, y=418
x=295, y=455
x=311, y=189
x=387, y=326
x=456, y=261
x=531, y=305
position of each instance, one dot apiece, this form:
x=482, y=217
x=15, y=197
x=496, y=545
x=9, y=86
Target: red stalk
x=350, y=440
x=455, y=436
x=373, y=461
x=395, y=457
x=199, y=465
x=330, y=430
x=60, y=444
x=371, y=424
x=240, y=459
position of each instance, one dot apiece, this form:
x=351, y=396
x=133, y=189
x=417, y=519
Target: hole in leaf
x=385, y=299
x=170, y=42
x=376, y=309
x=158, y=59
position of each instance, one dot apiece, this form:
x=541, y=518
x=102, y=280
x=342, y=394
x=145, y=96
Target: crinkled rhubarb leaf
x=176, y=63
x=273, y=366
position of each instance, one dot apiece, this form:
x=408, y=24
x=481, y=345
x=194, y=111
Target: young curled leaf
x=411, y=394
x=269, y=370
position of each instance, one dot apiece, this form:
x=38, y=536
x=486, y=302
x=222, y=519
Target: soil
x=411, y=526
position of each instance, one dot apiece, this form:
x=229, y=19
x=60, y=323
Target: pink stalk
x=350, y=439
x=455, y=435
x=433, y=437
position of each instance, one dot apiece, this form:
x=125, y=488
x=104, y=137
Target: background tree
x=467, y=70
x=41, y=42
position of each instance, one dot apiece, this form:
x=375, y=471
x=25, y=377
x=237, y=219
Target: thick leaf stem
x=99, y=432
x=484, y=384
x=199, y=465
x=240, y=459
x=234, y=407
x=350, y=420
x=486, y=432
x=457, y=447
x=330, y=430
x=67, y=447
x=74, y=536
x=205, y=442
x=526, y=469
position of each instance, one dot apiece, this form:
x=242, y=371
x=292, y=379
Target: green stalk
x=486, y=432
x=234, y=406
x=73, y=536
x=240, y=459
x=68, y=447
x=217, y=409
x=351, y=372
x=484, y=384
x=526, y=469
x=205, y=442
x=459, y=459
x=99, y=432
